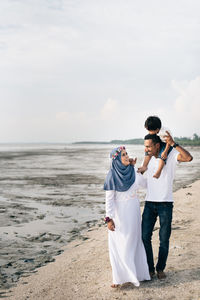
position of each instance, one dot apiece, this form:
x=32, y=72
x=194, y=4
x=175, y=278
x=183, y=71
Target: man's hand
x=183, y=155
x=168, y=139
x=132, y=161
x=111, y=225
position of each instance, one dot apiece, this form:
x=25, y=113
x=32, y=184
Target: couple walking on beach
x=130, y=247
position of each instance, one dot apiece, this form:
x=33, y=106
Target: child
x=153, y=125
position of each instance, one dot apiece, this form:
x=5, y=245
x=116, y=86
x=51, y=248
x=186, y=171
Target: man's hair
x=154, y=137
x=152, y=123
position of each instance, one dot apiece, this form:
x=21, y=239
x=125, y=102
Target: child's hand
x=133, y=161
x=142, y=169
x=168, y=139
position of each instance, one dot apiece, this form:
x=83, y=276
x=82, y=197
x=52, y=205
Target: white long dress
x=126, y=249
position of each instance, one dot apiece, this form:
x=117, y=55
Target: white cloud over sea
x=94, y=70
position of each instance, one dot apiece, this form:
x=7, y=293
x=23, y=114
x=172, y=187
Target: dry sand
x=83, y=270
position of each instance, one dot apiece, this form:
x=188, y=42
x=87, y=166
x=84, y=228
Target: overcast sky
x=73, y=70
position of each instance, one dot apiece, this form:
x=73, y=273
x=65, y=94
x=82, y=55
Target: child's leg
x=166, y=151
x=160, y=167
x=145, y=164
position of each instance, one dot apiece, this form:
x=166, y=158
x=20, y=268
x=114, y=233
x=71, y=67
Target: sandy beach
x=47, y=200
x=83, y=270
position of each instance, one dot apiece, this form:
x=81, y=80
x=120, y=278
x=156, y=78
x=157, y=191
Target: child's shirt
x=162, y=133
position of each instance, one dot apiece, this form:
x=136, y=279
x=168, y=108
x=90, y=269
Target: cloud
x=187, y=102
x=88, y=69
x=67, y=117
x=110, y=110
x=181, y=115
x=184, y=115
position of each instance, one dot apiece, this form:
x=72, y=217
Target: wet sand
x=46, y=201
x=83, y=270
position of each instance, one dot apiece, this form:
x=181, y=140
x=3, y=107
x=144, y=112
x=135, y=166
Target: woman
x=126, y=250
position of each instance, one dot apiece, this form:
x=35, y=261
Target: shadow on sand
x=174, y=278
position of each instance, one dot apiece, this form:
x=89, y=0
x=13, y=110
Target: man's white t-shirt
x=160, y=190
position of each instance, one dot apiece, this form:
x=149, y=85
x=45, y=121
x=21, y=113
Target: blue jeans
x=152, y=210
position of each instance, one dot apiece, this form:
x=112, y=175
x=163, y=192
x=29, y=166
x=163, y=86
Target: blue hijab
x=120, y=177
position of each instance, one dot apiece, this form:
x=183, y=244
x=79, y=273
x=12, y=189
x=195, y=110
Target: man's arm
x=183, y=155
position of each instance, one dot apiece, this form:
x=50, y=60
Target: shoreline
x=83, y=270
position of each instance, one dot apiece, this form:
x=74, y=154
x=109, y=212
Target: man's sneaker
x=161, y=275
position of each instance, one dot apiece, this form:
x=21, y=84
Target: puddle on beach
x=50, y=194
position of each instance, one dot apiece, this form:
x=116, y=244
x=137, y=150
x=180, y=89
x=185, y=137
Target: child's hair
x=152, y=123
x=154, y=137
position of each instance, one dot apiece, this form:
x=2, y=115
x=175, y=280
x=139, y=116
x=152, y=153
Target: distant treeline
x=184, y=141
x=118, y=142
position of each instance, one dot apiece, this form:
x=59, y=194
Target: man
x=159, y=199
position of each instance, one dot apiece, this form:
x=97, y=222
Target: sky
x=94, y=70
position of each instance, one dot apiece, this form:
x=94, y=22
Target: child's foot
x=142, y=169
x=157, y=174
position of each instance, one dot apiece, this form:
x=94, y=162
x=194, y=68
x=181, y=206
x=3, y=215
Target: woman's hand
x=111, y=225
